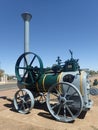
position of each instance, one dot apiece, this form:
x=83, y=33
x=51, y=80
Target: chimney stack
x=26, y=17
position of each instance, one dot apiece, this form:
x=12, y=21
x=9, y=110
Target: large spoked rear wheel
x=64, y=102
x=23, y=101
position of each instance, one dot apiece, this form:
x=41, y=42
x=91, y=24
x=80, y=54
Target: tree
x=1, y=73
x=95, y=82
x=92, y=72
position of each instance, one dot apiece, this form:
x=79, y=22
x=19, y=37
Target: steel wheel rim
x=60, y=104
x=22, y=71
x=23, y=101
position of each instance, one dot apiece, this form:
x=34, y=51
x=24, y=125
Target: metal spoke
x=64, y=111
x=21, y=106
x=25, y=61
x=70, y=101
x=67, y=91
x=57, y=91
x=23, y=93
x=19, y=98
x=56, y=105
x=72, y=95
x=33, y=60
x=26, y=104
x=18, y=103
x=70, y=111
x=21, y=67
x=59, y=109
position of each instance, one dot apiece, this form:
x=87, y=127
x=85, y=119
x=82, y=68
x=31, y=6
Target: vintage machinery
x=64, y=86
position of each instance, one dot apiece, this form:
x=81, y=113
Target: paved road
x=8, y=86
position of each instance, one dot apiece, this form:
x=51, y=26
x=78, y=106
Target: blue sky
x=56, y=26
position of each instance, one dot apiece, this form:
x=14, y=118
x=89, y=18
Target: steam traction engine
x=64, y=86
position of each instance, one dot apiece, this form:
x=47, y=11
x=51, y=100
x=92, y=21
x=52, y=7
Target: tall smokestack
x=26, y=17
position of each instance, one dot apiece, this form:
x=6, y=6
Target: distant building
x=3, y=76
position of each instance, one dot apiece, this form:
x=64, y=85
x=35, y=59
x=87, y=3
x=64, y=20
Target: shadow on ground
x=38, y=105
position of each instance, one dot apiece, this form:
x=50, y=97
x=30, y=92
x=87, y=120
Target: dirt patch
x=39, y=117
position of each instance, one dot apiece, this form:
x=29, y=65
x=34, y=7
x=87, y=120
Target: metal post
x=26, y=17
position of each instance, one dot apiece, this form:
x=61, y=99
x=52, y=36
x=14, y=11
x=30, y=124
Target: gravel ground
x=39, y=117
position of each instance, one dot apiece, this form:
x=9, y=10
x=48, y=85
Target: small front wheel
x=23, y=101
